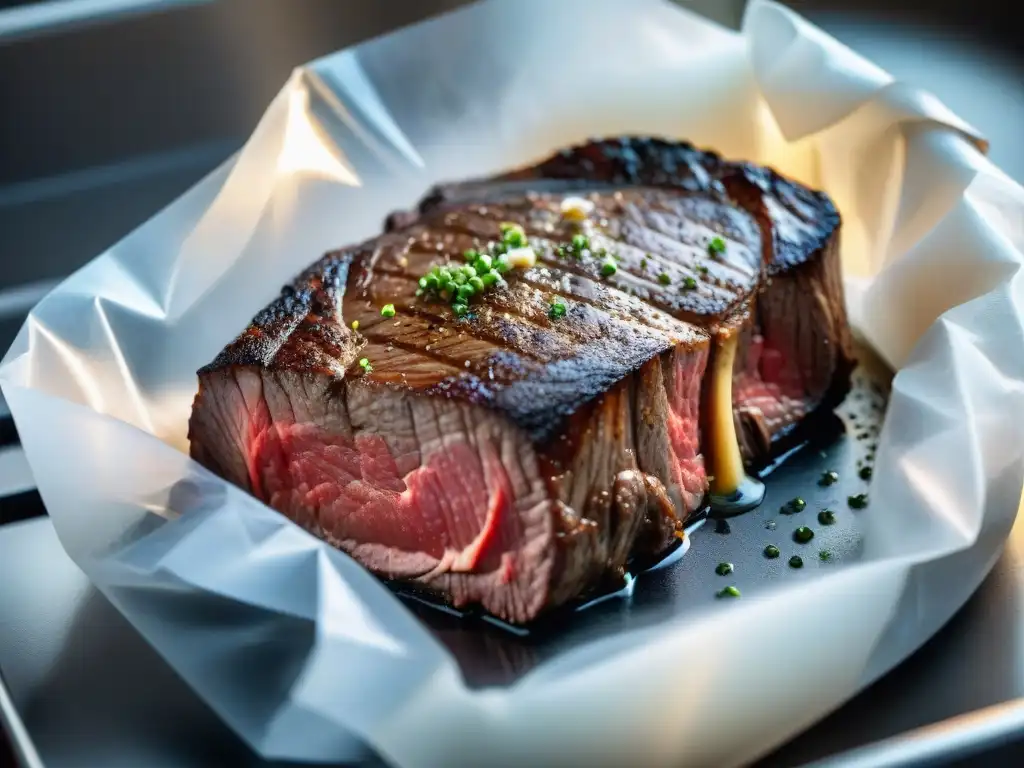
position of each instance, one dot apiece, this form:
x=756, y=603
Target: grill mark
x=621, y=316
x=661, y=238
x=432, y=354
x=722, y=288
x=556, y=264
x=657, y=293
x=501, y=303
x=478, y=331
x=546, y=247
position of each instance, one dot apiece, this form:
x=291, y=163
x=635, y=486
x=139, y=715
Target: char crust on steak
x=509, y=459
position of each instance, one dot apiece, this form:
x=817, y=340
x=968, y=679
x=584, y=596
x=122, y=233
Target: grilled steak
x=520, y=457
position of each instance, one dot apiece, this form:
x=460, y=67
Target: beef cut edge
x=514, y=459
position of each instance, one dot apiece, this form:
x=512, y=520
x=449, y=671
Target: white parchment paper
x=310, y=658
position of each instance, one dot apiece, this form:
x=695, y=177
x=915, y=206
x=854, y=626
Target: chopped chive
x=858, y=502
x=824, y=555
x=828, y=478
x=827, y=517
x=771, y=552
x=490, y=278
x=501, y=264
x=557, y=309
x=796, y=562
x=460, y=309
x=643, y=263
x=803, y=534
x=689, y=283
x=724, y=569
x=717, y=245
x=422, y=282
x=471, y=255
x=608, y=268
x=580, y=243
x=465, y=293
x=702, y=269
x=483, y=264
x=476, y=283
x=364, y=363
x=664, y=279
x=388, y=310
x=729, y=592
x=865, y=473
x=513, y=235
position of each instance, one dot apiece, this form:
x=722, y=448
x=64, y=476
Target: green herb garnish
x=717, y=245
x=796, y=562
x=824, y=555
x=729, y=592
x=364, y=363
x=608, y=268
x=827, y=517
x=865, y=473
x=557, y=309
x=689, y=283
x=858, y=502
x=664, y=279
x=793, y=506
x=724, y=569
x=388, y=310
x=803, y=534
x=771, y=552
x=459, y=284
x=512, y=235
x=828, y=478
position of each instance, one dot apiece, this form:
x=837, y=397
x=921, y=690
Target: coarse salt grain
x=576, y=208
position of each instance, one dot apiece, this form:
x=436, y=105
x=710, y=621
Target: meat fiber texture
x=309, y=657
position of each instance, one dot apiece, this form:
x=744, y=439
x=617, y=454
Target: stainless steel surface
x=993, y=732
x=22, y=748
x=106, y=122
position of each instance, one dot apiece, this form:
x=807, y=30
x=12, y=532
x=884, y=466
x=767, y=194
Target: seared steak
x=520, y=457
x=797, y=354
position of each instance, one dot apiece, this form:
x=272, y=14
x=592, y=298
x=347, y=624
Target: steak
x=524, y=455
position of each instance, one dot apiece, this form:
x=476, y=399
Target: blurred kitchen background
x=112, y=108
